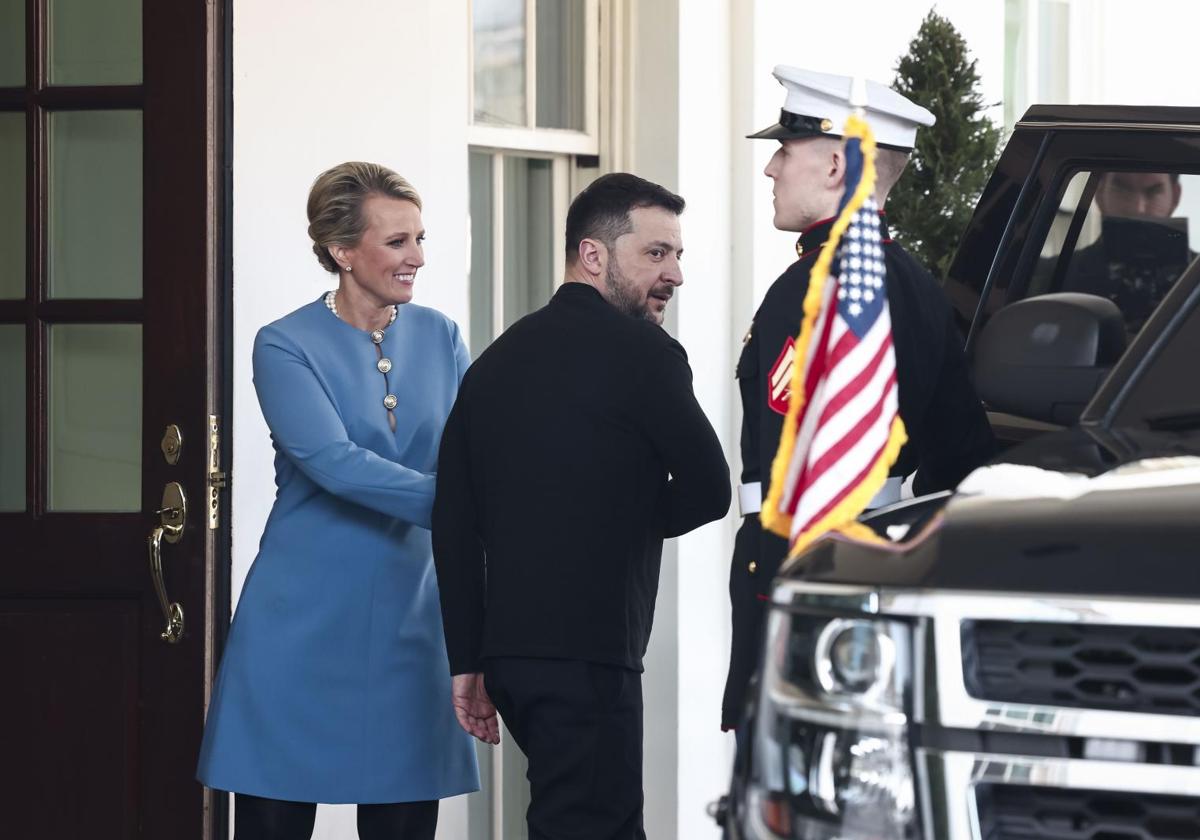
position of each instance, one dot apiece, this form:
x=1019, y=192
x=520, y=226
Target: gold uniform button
x=389, y=402
x=753, y=567
x=384, y=365
x=377, y=336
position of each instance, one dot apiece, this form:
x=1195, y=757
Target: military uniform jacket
x=947, y=427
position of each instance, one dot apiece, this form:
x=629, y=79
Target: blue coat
x=334, y=684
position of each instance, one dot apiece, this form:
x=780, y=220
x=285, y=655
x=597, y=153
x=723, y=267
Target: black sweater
x=553, y=495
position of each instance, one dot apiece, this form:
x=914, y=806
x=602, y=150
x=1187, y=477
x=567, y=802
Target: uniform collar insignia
x=815, y=235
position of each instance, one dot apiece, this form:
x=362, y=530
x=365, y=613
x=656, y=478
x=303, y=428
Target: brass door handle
x=172, y=611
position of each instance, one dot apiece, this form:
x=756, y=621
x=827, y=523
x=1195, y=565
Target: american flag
x=843, y=430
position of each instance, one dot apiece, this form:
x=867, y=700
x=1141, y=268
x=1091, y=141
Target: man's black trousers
x=580, y=725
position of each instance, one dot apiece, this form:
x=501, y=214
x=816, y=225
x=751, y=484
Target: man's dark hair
x=601, y=211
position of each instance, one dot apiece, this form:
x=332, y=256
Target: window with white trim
x=534, y=119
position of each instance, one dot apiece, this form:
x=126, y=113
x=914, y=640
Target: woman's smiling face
x=384, y=263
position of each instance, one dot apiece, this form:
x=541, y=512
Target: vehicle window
x=1123, y=235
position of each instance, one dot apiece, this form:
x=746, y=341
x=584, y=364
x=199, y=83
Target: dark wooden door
x=109, y=276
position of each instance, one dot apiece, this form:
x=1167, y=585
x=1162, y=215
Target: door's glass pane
x=96, y=204
x=12, y=43
x=95, y=417
x=95, y=42
x=528, y=236
x=499, y=32
x=481, y=224
x=560, y=64
x=12, y=205
x=12, y=417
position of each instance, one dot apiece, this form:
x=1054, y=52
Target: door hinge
x=217, y=478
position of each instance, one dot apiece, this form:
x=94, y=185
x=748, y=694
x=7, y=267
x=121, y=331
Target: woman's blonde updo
x=335, y=204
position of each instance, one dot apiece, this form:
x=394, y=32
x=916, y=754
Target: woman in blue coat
x=334, y=685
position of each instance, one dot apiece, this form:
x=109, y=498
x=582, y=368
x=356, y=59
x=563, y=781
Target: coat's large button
x=377, y=336
x=753, y=567
x=384, y=365
x=389, y=402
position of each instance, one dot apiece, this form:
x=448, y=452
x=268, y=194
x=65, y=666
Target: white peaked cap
x=818, y=104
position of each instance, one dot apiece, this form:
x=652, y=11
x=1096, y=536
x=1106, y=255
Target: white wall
x=705, y=327
x=1133, y=53
x=316, y=84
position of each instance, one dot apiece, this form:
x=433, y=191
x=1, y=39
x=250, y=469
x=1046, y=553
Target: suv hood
x=1090, y=512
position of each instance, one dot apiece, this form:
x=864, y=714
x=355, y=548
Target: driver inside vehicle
x=1141, y=249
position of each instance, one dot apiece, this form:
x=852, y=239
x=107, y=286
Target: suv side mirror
x=1044, y=357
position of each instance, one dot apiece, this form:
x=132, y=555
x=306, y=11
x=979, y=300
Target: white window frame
x=530, y=138
x=560, y=175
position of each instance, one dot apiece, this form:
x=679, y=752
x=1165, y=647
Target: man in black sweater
x=574, y=448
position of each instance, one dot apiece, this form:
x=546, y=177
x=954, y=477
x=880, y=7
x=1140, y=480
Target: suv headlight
x=830, y=751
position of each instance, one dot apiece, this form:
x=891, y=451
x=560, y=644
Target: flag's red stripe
x=855, y=434
x=858, y=479
x=821, y=360
x=809, y=473
x=857, y=383
x=845, y=344
x=813, y=472
x=817, y=371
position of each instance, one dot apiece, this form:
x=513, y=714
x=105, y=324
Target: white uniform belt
x=750, y=495
x=749, y=498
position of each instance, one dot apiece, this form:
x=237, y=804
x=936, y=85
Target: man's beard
x=624, y=295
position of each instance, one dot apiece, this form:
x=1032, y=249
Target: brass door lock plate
x=173, y=513
x=172, y=444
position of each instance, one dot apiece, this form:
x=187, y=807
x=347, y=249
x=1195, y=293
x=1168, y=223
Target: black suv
x=1022, y=659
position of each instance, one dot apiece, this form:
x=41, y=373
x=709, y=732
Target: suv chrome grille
x=1012, y=812
x=1098, y=666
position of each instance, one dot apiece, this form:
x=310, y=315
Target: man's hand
x=474, y=709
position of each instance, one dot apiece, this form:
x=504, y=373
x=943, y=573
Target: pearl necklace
x=331, y=305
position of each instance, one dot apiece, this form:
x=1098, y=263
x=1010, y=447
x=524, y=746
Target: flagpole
x=858, y=96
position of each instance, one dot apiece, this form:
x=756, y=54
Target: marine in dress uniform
x=947, y=427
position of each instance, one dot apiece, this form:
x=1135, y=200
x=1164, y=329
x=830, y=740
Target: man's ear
x=1176, y=193
x=593, y=256
x=837, y=167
